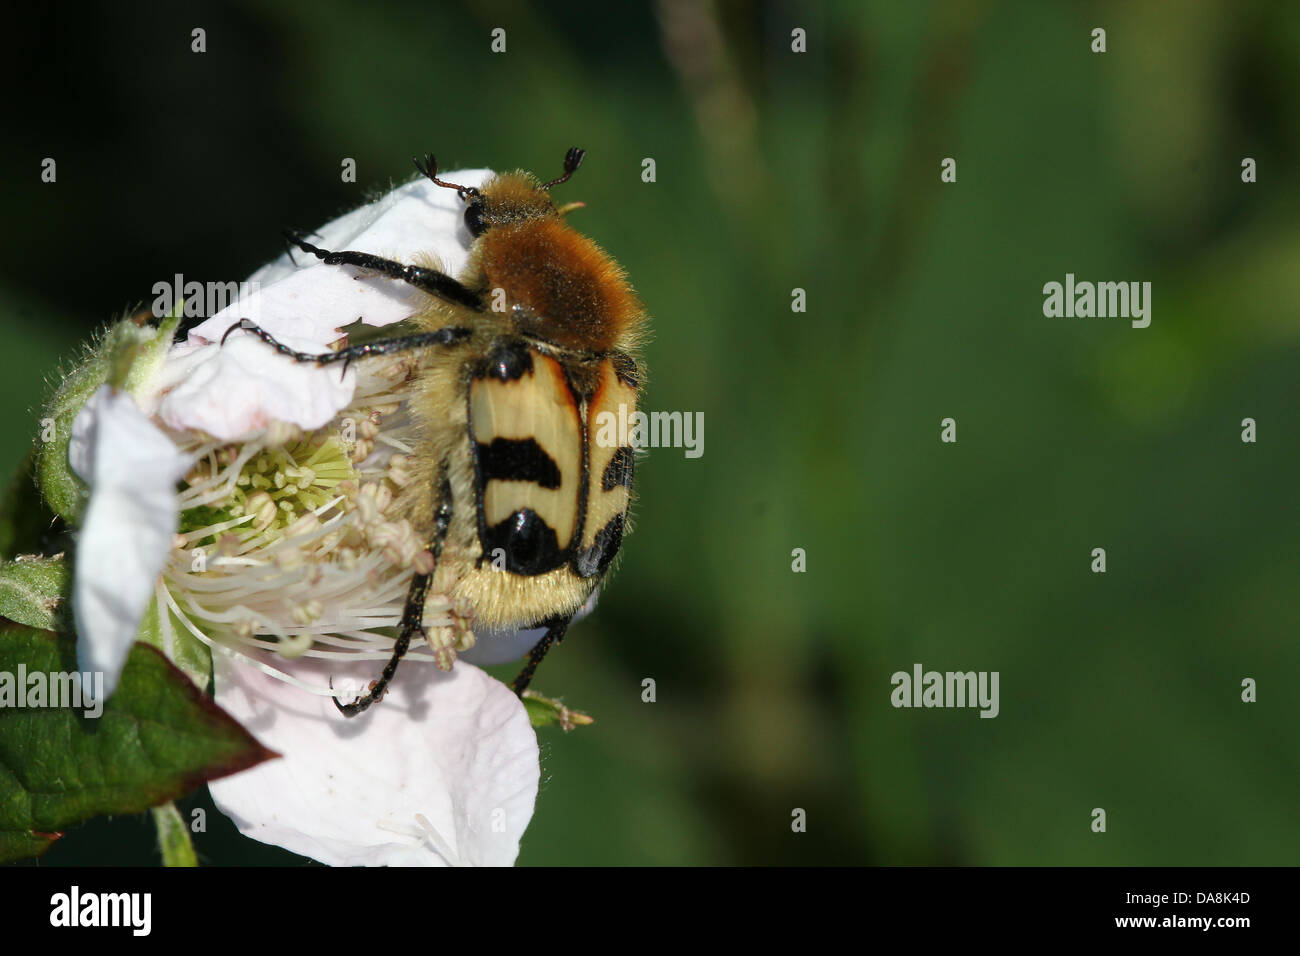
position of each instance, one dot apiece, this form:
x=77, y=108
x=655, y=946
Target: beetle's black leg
x=452, y=335
x=412, y=615
x=430, y=280
x=288, y=248
x=555, y=628
x=411, y=622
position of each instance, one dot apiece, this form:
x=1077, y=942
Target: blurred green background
x=820, y=171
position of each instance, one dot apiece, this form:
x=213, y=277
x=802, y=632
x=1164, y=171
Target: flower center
x=292, y=543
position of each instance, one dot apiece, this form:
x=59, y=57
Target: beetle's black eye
x=474, y=217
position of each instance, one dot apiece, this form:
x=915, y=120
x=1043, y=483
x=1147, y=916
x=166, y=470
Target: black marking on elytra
x=516, y=459
x=428, y=280
x=625, y=368
x=595, y=560
x=507, y=362
x=529, y=544
x=619, y=470
x=584, y=478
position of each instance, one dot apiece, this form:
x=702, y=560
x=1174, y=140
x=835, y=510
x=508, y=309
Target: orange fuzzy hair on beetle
x=521, y=507
x=588, y=302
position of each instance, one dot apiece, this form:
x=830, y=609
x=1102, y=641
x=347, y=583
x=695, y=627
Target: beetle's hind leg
x=555, y=629
x=412, y=614
x=412, y=621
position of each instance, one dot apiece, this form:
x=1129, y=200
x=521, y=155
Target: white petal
x=238, y=389
x=305, y=304
x=132, y=468
x=444, y=770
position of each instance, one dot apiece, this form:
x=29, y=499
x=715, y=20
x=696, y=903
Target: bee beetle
x=522, y=509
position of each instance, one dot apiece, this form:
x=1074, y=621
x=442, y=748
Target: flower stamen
x=288, y=543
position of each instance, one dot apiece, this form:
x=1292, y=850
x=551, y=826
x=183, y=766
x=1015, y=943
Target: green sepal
x=127, y=356
x=34, y=591
x=185, y=651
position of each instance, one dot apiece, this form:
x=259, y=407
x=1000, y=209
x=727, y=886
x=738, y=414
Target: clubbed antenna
x=572, y=160
x=430, y=168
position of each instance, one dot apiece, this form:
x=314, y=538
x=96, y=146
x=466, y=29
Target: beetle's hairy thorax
x=557, y=285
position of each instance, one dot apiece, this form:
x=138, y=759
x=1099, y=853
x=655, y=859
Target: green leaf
x=548, y=711
x=173, y=837
x=34, y=591
x=158, y=737
x=25, y=519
